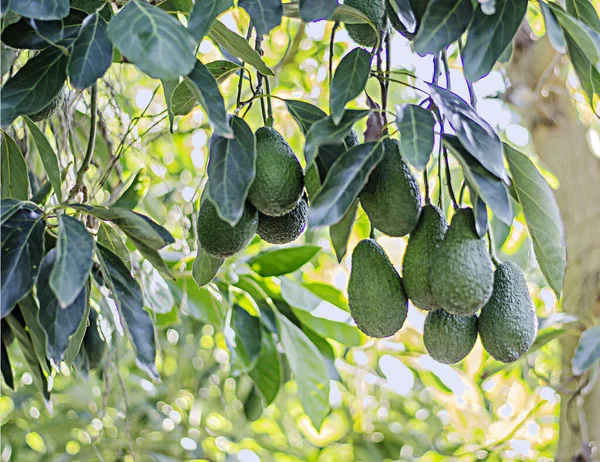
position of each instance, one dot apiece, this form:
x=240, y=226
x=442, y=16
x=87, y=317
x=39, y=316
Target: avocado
x=279, y=179
x=391, y=197
x=363, y=34
x=461, y=274
x=423, y=241
x=329, y=153
x=418, y=8
x=448, y=338
x=217, y=237
x=376, y=297
x=507, y=323
x=286, y=228
x=52, y=108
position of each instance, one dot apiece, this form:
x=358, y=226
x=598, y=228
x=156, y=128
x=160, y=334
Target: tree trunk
x=538, y=90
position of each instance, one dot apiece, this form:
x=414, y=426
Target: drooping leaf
x=340, y=232
x=555, y=33
x=405, y=13
x=349, y=81
x=94, y=344
x=587, y=351
x=22, y=253
x=313, y=10
x=279, y=261
x=204, y=14
x=169, y=87
x=76, y=340
x=91, y=54
x=182, y=99
x=7, y=372
x=153, y=40
x=110, y=238
x=28, y=309
x=326, y=351
x=205, y=267
x=588, y=74
x=48, y=156
x=231, y=169
x=480, y=213
x=267, y=372
x=153, y=256
x=47, y=9
x=265, y=14
x=489, y=35
x=133, y=190
x=15, y=181
x=415, y=125
x=541, y=215
x=74, y=252
x=7, y=58
x=305, y=114
x=443, y=23
x=156, y=290
x=585, y=11
x=245, y=344
x=586, y=38
x=344, y=182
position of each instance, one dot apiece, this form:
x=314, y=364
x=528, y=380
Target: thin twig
x=462, y=192
x=331, y=50
x=449, y=180
x=426, y=182
x=446, y=70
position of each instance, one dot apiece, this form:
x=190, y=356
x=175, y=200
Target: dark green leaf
x=342, y=13
x=588, y=74
x=9, y=207
x=22, y=35
x=153, y=40
x=92, y=53
x=340, y=232
x=169, y=87
x=205, y=89
x=28, y=309
x=7, y=372
x=267, y=372
x=22, y=253
x=205, y=267
x=474, y=133
x=34, y=86
x=177, y=6
x=416, y=134
x=587, y=351
x=586, y=38
x=204, y=14
x=305, y=114
x=585, y=11
x=182, y=99
x=109, y=237
x=231, y=169
x=134, y=190
x=15, y=181
x=74, y=252
x=154, y=257
x=128, y=296
x=221, y=69
x=314, y=10
x=555, y=33
x=279, y=261
x=349, y=81
x=443, y=23
x=481, y=215
x=406, y=15
x=245, y=345
x=76, y=340
x=265, y=14
x=344, y=182
x=43, y=9
x=93, y=343
x=541, y=215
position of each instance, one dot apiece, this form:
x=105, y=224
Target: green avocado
x=363, y=34
x=52, y=108
x=391, y=197
x=507, y=323
x=448, y=338
x=418, y=8
x=286, y=228
x=376, y=297
x=423, y=241
x=279, y=179
x=217, y=237
x=329, y=153
x=461, y=274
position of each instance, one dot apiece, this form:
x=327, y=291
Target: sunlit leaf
x=279, y=261
x=205, y=267
x=15, y=181
x=443, y=23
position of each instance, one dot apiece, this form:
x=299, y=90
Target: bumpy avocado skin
x=286, y=228
x=52, y=108
x=329, y=153
x=391, y=197
x=376, y=297
x=363, y=34
x=423, y=241
x=461, y=274
x=219, y=238
x=448, y=338
x=279, y=179
x=507, y=323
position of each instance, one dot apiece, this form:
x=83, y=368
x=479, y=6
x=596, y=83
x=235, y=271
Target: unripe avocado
x=391, y=197
x=329, y=153
x=219, y=238
x=448, y=338
x=52, y=108
x=279, y=179
x=376, y=297
x=286, y=228
x=363, y=34
x=461, y=274
x=418, y=8
x=507, y=323
x=422, y=242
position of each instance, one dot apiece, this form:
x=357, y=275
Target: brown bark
x=538, y=90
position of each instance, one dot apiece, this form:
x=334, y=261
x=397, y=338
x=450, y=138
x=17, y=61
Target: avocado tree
x=100, y=254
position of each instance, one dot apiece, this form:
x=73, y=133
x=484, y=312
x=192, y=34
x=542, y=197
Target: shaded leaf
x=46, y=9
x=7, y=372
x=7, y=58
x=480, y=213
x=267, y=372
x=245, y=344
x=340, y=232
x=28, y=309
x=313, y=10
x=169, y=87
x=265, y=14
x=586, y=38
x=93, y=343
x=405, y=13
x=205, y=267
x=349, y=81
x=587, y=351
x=110, y=238
x=76, y=340
x=305, y=114
x=15, y=181
x=8, y=207
x=279, y=261
x=443, y=23
x=221, y=69
x=23, y=35
x=154, y=257
x=204, y=14
x=588, y=74
x=134, y=190
x=415, y=125
x=182, y=99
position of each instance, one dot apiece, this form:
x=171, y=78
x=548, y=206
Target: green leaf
x=205, y=267
x=231, y=170
x=279, y=261
x=15, y=181
x=314, y=10
x=43, y=9
x=59, y=322
x=588, y=74
x=7, y=57
x=135, y=188
x=169, y=87
x=48, y=156
x=405, y=13
x=474, y=133
x=343, y=184
x=267, y=372
x=221, y=69
x=309, y=369
x=153, y=40
x=480, y=213
x=326, y=351
x=156, y=291
x=22, y=253
x=177, y=6
x=238, y=47
x=7, y=372
x=245, y=344
x=328, y=293
x=416, y=134
x=76, y=340
x=205, y=89
x=154, y=257
x=203, y=303
x=110, y=238
x=22, y=35
x=585, y=11
x=325, y=131
x=555, y=33
x=265, y=14
x=340, y=232
x=74, y=253
x=182, y=99
x=443, y=23
x=349, y=81
x=9, y=207
x=204, y=14
x=93, y=343
x=127, y=294
x=92, y=53
x=587, y=351
x=541, y=215
x=489, y=35
x=586, y=38
x=29, y=310
x=34, y=86
x=305, y=114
